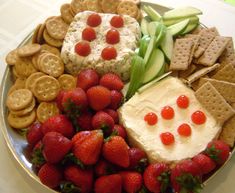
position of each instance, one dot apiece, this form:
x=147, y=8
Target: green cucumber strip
x=177, y=28
x=192, y=19
x=144, y=26
x=153, y=14
x=167, y=45
x=149, y=50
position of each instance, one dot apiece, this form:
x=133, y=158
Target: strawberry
x=50, y=175
x=206, y=163
x=34, y=134
x=109, y=184
x=113, y=114
x=87, y=78
x=87, y=149
x=104, y=121
x=131, y=181
x=186, y=177
x=59, y=100
x=120, y=131
x=157, y=177
x=103, y=168
x=58, y=123
x=84, y=121
x=115, y=150
x=116, y=99
x=83, y=179
x=112, y=81
x=138, y=159
x=218, y=151
x=55, y=147
x=37, y=157
x=99, y=97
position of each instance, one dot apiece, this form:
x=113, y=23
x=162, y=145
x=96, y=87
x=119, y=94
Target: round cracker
x=19, y=84
x=29, y=50
x=46, y=88
x=40, y=33
x=51, y=49
x=51, y=65
x=57, y=28
x=12, y=57
x=93, y=5
x=67, y=82
x=78, y=6
x=22, y=122
x=25, y=111
x=24, y=67
x=32, y=79
x=137, y=2
x=110, y=6
x=19, y=99
x=128, y=8
x=51, y=41
x=35, y=34
x=46, y=110
x=36, y=57
x=66, y=14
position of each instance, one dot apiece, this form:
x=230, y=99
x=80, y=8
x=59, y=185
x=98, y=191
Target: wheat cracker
x=67, y=82
x=228, y=132
x=198, y=52
x=46, y=110
x=128, y=8
x=226, y=74
x=26, y=110
x=12, y=57
x=186, y=73
x=195, y=39
x=110, y=6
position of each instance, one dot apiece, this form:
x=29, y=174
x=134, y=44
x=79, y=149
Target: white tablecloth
x=19, y=17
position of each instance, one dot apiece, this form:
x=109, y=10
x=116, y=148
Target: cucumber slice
x=154, y=66
x=167, y=45
x=144, y=26
x=160, y=36
x=137, y=71
x=154, y=28
x=143, y=46
x=189, y=28
x=150, y=48
x=192, y=19
x=153, y=14
x=181, y=12
x=177, y=28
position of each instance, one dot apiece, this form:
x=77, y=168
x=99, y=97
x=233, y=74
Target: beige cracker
x=19, y=99
x=25, y=111
x=46, y=110
x=78, y=6
x=46, y=88
x=51, y=49
x=40, y=33
x=51, y=65
x=128, y=8
x=228, y=56
x=195, y=39
x=93, y=5
x=226, y=73
x=36, y=57
x=67, y=82
x=12, y=57
x=35, y=34
x=212, y=100
x=110, y=6
x=24, y=67
x=66, y=14
x=51, y=41
x=29, y=50
x=228, y=132
x=32, y=79
x=181, y=54
x=21, y=122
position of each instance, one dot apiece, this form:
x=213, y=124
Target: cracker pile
x=206, y=62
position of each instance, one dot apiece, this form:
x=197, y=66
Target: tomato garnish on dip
x=184, y=130
x=94, y=20
x=83, y=48
x=198, y=117
x=167, y=138
x=182, y=102
x=89, y=34
x=109, y=53
x=112, y=36
x=167, y=112
x=151, y=118
x=117, y=21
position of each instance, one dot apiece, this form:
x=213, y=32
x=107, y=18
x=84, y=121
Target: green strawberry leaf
x=70, y=158
x=68, y=187
x=164, y=179
x=213, y=153
x=22, y=132
x=37, y=157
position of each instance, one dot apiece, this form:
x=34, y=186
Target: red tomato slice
x=89, y=34
x=83, y=48
x=109, y=53
x=112, y=36
x=117, y=21
x=94, y=20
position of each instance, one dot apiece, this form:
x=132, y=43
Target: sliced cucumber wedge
x=177, y=28
x=144, y=42
x=144, y=26
x=167, y=45
x=154, y=66
x=181, y=12
x=149, y=50
x=137, y=71
x=153, y=14
x=192, y=19
x=189, y=28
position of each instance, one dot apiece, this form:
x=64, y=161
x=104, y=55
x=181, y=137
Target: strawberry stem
x=37, y=157
x=71, y=159
x=213, y=153
x=164, y=179
x=69, y=187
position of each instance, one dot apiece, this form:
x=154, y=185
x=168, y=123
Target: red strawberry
x=87, y=78
x=157, y=177
x=109, y=184
x=113, y=114
x=115, y=150
x=74, y=101
x=58, y=123
x=55, y=147
x=103, y=168
x=186, y=176
x=206, y=163
x=50, y=175
x=84, y=121
x=120, y=131
x=116, y=99
x=34, y=134
x=59, y=99
x=138, y=159
x=112, y=81
x=99, y=97
x=83, y=179
x=218, y=151
x=104, y=121
x=131, y=181
x=87, y=148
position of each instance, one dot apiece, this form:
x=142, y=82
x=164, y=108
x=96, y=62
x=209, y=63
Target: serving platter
x=17, y=143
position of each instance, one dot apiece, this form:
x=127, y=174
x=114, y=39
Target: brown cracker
x=214, y=50
x=51, y=49
x=228, y=132
x=110, y=6
x=78, y=6
x=212, y=100
x=228, y=56
x=51, y=41
x=185, y=73
x=198, y=52
x=26, y=110
x=181, y=54
x=12, y=57
x=128, y=8
x=32, y=79
x=29, y=50
x=35, y=34
x=67, y=82
x=24, y=67
x=40, y=33
x=227, y=73
x=46, y=110
x=195, y=39
x=93, y=5
x=66, y=14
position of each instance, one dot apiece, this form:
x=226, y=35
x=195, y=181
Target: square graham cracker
x=228, y=132
x=227, y=73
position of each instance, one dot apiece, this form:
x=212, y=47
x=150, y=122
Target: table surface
x=19, y=17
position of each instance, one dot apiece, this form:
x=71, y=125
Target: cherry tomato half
x=167, y=138
x=109, y=53
x=182, y=102
x=112, y=36
x=94, y=20
x=151, y=118
x=198, y=117
x=117, y=21
x=167, y=112
x=89, y=34
x=83, y=48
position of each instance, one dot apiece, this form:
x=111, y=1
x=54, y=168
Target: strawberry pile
x=85, y=149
